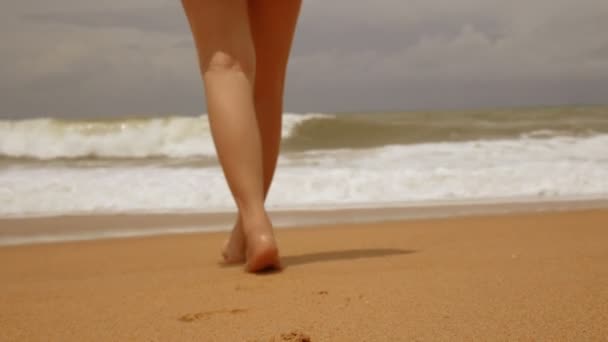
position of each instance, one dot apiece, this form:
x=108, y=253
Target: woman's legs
x=272, y=25
x=227, y=61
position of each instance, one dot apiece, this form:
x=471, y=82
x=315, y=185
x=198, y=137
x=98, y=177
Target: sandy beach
x=527, y=276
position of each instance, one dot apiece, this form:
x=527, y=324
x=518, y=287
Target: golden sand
x=532, y=277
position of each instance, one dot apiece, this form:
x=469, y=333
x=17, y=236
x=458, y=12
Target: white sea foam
x=554, y=167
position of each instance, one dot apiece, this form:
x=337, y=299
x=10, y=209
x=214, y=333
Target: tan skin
x=243, y=48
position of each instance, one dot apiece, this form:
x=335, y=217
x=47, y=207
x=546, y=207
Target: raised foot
x=233, y=250
x=262, y=254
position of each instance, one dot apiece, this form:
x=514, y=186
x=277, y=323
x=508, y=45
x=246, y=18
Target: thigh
x=273, y=25
x=221, y=31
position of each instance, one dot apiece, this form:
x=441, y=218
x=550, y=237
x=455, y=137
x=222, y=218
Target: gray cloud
x=165, y=18
x=78, y=58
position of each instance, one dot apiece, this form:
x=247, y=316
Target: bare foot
x=262, y=249
x=262, y=254
x=234, y=247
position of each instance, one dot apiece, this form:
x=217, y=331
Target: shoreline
x=526, y=276
x=24, y=230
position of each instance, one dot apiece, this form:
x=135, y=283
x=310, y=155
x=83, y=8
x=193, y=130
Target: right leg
x=273, y=25
x=227, y=61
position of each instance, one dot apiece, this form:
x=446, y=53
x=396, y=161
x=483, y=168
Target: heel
x=262, y=254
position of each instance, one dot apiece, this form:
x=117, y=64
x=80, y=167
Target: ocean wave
x=181, y=137
x=174, y=137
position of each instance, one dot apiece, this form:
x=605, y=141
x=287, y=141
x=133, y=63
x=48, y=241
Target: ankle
x=256, y=224
x=250, y=210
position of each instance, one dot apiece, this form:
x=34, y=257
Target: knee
x=221, y=61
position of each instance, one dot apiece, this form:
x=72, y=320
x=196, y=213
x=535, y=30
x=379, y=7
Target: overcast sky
x=83, y=58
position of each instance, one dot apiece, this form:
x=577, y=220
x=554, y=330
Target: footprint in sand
x=294, y=336
x=207, y=314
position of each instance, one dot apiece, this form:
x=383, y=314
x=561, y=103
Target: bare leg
x=227, y=61
x=273, y=25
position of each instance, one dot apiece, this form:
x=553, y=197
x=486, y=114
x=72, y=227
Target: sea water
x=52, y=166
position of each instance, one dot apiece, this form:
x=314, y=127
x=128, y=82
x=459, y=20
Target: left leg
x=226, y=54
x=273, y=25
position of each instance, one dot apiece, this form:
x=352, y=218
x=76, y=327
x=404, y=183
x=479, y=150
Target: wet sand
x=532, y=276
